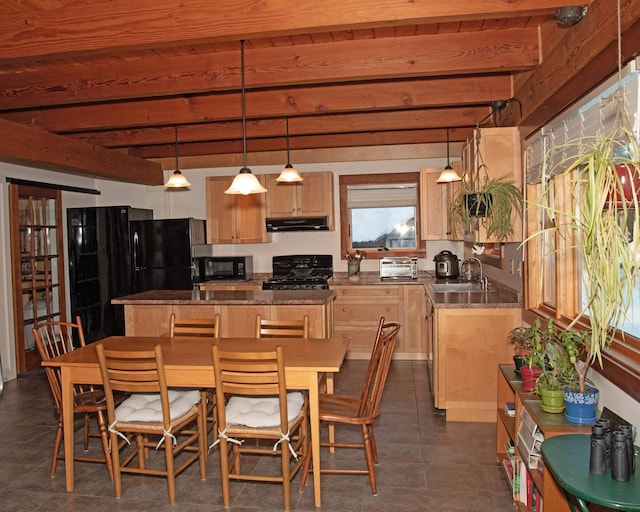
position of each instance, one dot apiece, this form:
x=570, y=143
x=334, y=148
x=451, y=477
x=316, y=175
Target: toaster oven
x=398, y=268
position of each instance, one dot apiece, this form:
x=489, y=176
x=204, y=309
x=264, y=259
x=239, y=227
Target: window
x=554, y=276
x=379, y=213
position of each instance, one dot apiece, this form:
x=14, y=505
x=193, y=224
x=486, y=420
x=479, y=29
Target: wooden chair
x=140, y=422
x=54, y=339
x=363, y=410
x=207, y=327
x=255, y=380
x=282, y=328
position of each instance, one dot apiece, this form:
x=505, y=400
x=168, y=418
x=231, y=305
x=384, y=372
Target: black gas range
x=300, y=272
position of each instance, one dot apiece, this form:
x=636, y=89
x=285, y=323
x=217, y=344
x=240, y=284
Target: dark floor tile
x=425, y=463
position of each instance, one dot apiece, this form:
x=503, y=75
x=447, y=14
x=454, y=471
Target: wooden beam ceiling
x=346, y=73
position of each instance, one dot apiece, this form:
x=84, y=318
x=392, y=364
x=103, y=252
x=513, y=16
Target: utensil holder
x=353, y=270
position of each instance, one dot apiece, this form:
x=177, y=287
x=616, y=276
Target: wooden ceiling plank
x=147, y=23
x=311, y=100
x=411, y=56
x=23, y=145
x=347, y=123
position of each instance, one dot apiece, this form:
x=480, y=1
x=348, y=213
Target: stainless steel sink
x=457, y=287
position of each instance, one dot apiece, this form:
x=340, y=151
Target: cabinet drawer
x=365, y=312
x=360, y=340
x=370, y=292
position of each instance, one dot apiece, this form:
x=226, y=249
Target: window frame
x=348, y=180
x=621, y=360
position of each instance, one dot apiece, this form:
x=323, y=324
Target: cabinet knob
x=344, y=310
x=387, y=292
x=387, y=310
x=344, y=292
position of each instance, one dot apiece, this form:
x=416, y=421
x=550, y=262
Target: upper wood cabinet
x=434, y=205
x=312, y=197
x=234, y=219
x=499, y=149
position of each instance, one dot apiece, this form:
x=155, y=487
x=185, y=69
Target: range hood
x=299, y=224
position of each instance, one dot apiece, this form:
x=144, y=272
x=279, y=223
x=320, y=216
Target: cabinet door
x=37, y=266
x=234, y=219
x=500, y=150
x=220, y=211
x=315, y=195
x=433, y=205
x=282, y=198
x=413, y=321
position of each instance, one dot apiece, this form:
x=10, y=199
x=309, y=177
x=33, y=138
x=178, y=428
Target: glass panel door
x=38, y=269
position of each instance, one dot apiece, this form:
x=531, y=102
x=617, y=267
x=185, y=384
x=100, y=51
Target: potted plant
x=485, y=200
x=604, y=234
x=558, y=372
x=530, y=344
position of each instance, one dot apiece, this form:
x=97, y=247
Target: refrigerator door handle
x=135, y=250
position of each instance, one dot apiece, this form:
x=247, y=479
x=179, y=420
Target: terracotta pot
x=529, y=375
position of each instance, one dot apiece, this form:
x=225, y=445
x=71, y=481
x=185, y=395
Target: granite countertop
x=496, y=296
x=239, y=297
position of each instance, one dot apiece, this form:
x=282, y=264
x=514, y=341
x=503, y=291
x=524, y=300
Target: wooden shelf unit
x=510, y=390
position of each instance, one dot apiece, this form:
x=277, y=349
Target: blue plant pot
x=581, y=407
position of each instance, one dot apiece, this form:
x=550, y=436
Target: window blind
x=592, y=118
x=383, y=196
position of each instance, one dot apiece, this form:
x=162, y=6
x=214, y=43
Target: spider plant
x=606, y=236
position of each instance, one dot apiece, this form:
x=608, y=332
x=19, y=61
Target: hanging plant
x=600, y=225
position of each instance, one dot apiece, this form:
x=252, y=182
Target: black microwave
x=221, y=268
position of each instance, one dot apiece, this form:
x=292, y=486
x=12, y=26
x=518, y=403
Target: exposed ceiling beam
x=346, y=61
x=142, y=24
x=24, y=145
x=268, y=128
x=295, y=101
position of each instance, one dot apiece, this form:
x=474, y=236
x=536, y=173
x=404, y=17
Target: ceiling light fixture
x=177, y=179
x=570, y=15
x=289, y=174
x=449, y=174
x=245, y=182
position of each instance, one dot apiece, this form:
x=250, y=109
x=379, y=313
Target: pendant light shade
x=449, y=174
x=245, y=182
x=289, y=174
x=177, y=179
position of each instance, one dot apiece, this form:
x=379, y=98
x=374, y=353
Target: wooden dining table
x=188, y=364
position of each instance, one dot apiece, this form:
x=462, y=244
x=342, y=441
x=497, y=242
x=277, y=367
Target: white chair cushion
x=261, y=411
x=147, y=408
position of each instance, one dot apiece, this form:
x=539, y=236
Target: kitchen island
x=148, y=313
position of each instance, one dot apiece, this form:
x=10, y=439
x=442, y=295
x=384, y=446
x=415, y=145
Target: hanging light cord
x=448, y=165
x=288, y=159
x=244, y=114
x=176, y=130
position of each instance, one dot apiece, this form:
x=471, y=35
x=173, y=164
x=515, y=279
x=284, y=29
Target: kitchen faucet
x=483, y=280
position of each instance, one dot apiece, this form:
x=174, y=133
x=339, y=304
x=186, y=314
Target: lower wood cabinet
x=235, y=320
x=357, y=312
x=468, y=343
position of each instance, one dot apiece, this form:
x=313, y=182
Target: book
x=510, y=409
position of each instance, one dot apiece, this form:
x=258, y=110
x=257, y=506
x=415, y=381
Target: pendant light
x=449, y=174
x=177, y=179
x=245, y=182
x=289, y=174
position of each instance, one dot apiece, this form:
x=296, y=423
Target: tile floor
x=426, y=464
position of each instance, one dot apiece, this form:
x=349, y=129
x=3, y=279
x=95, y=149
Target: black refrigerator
x=162, y=253
x=99, y=246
